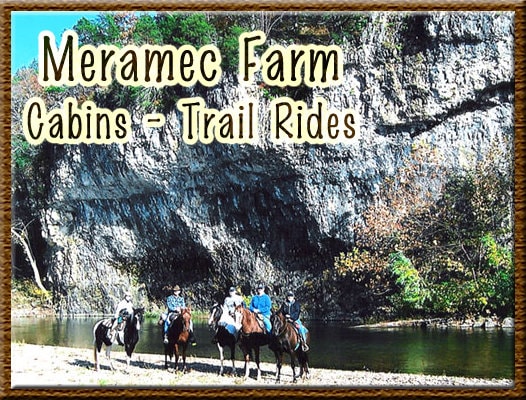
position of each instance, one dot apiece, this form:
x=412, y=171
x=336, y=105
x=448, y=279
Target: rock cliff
x=157, y=211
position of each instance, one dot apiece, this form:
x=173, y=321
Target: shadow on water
x=475, y=353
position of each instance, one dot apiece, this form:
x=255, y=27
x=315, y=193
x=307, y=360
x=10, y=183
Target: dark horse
x=223, y=336
x=252, y=336
x=128, y=337
x=178, y=334
x=288, y=341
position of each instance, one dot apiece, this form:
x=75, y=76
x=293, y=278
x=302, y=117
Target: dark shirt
x=293, y=309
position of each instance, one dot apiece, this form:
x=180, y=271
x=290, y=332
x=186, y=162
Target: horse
x=178, y=334
x=224, y=333
x=288, y=341
x=128, y=337
x=252, y=336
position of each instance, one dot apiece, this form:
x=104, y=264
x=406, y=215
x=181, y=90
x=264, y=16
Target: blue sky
x=26, y=25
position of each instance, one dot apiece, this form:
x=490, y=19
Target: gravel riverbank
x=35, y=366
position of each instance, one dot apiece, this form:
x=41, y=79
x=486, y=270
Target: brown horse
x=288, y=341
x=178, y=333
x=251, y=337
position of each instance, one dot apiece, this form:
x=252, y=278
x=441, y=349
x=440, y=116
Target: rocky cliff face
x=157, y=211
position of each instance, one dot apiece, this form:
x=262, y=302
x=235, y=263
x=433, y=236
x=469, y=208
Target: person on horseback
x=123, y=310
x=175, y=302
x=228, y=319
x=262, y=304
x=291, y=309
x=232, y=300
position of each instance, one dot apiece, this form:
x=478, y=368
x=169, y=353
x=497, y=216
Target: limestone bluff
x=156, y=210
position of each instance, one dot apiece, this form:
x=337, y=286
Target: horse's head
x=277, y=320
x=215, y=314
x=186, y=316
x=239, y=313
x=138, y=316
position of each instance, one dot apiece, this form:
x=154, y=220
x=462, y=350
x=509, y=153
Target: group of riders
x=260, y=304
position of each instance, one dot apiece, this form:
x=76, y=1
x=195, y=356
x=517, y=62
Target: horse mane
x=251, y=320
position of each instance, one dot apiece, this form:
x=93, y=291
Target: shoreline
x=39, y=366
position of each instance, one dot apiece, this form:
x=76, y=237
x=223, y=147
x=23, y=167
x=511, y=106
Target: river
x=476, y=353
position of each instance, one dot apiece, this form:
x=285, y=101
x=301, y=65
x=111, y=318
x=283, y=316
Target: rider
x=291, y=309
x=175, y=303
x=228, y=321
x=123, y=309
x=262, y=304
x=232, y=300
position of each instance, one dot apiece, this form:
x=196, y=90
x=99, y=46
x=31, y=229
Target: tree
x=22, y=238
x=442, y=237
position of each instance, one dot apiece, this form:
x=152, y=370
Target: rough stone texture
x=156, y=211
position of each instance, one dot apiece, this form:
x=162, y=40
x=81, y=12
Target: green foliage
x=21, y=152
x=413, y=292
x=25, y=293
x=146, y=31
x=182, y=28
x=445, y=235
x=348, y=28
x=499, y=280
x=55, y=89
x=104, y=30
x=228, y=44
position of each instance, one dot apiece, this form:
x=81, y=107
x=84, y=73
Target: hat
x=260, y=286
x=290, y=294
x=232, y=289
x=177, y=288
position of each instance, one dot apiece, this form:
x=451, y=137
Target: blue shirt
x=262, y=303
x=174, y=302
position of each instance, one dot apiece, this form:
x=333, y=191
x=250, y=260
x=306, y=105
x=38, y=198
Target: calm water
x=456, y=352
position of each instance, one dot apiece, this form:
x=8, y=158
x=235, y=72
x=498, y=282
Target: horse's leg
x=293, y=365
x=221, y=357
x=246, y=354
x=176, y=347
x=257, y=363
x=108, y=356
x=279, y=362
x=233, y=358
x=184, y=357
x=96, y=354
x=305, y=364
x=306, y=368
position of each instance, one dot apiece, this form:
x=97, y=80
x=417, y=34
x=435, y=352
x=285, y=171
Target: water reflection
x=461, y=352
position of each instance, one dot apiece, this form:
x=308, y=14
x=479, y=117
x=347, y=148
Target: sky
x=26, y=26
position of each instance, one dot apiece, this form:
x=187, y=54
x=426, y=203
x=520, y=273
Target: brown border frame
x=7, y=6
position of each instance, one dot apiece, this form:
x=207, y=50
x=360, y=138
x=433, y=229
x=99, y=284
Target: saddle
x=261, y=323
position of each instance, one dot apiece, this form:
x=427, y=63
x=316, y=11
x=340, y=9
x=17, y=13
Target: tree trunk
x=24, y=242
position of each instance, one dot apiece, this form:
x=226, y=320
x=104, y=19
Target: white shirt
x=124, y=305
x=232, y=302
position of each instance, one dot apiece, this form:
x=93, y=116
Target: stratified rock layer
x=157, y=211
